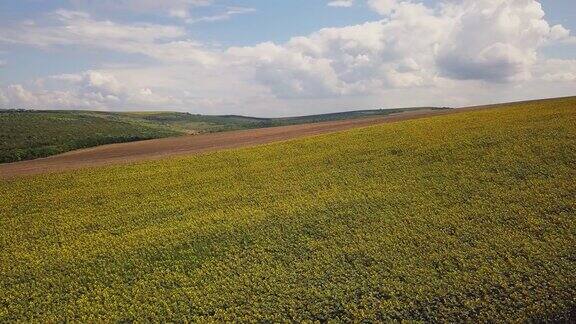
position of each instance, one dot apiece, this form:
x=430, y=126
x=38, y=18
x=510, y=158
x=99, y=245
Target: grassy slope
x=460, y=217
x=28, y=135
x=33, y=134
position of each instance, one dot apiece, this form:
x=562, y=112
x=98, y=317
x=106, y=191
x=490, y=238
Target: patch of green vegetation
x=461, y=218
x=27, y=135
x=32, y=134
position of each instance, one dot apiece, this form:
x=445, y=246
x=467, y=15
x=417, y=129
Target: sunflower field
x=468, y=217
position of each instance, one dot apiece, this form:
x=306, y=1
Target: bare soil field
x=194, y=144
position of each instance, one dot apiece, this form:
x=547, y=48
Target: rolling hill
x=33, y=134
x=466, y=217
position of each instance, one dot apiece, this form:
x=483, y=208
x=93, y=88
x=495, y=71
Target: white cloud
x=77, y=28
x=17, y=93
x=555, y=70
x=3, y=63
x=17, y=96
x=341, y=3
x=173, y=8
x=101, y=83
x=71, y=28
x=351, y=60
x=227, y=14
x=506, y=49
x=178, y=13
x=383, y=7
x=3, y=100
x=102, y=88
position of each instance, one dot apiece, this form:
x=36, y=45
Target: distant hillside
x=194, y=123
x=33, y=134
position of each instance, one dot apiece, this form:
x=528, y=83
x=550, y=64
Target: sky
x=283, y=57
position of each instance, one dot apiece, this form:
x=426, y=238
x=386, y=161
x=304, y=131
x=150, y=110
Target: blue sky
x=278, y=57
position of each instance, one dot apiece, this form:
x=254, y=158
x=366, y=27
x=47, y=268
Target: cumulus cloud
x=351, y=60
x=413, y=46
x=512, y=32
x=17, y=96
x=85, y=90
x=99, y=88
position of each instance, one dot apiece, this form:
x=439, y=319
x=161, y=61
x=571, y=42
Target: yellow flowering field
x=464, y=217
